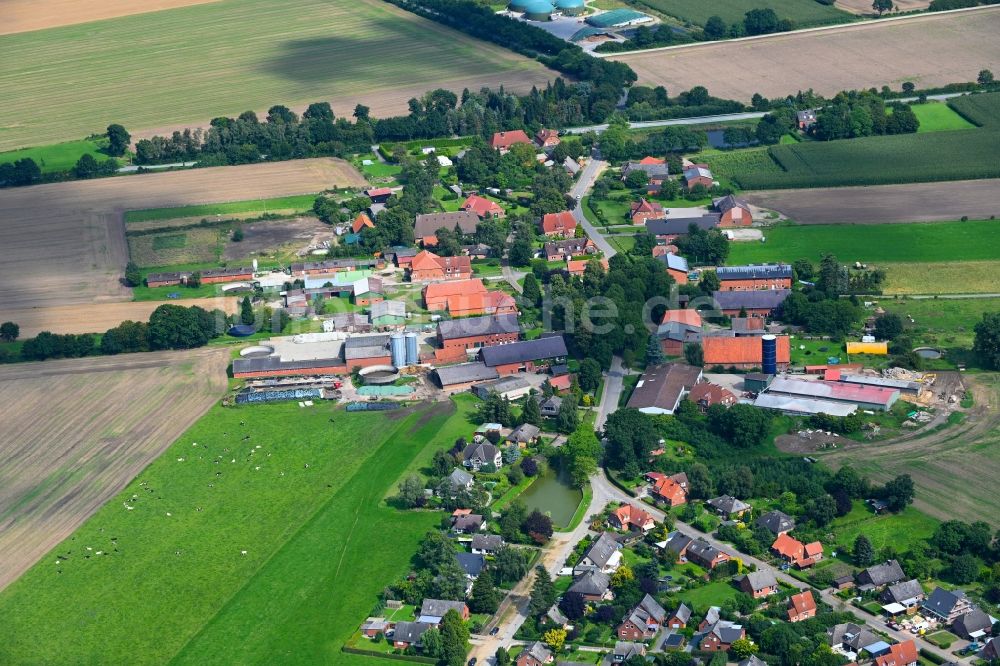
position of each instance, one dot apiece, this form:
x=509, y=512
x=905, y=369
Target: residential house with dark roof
x=656, y=171
x=752, y=660
x=673, y=337
x=604, y=554
x=728, y=506
x=592, y=586
x=805, y=118
x=460, y=480
x=973, y=625
x=758, y=584
x=625, y=650
x=720, y=635
x=880, y=575
x=524, y=356
x=643, y=622
x=563, y=250
x=699, y=174
x=801, y=606
x=524, y=434
x=851, y=638
x=735, y=212
x=468, y=523
x=486, y=544
x=662, y=387
x=776, y=522
x=550, y=406
x=679, y=618
x=432, y=611
x=705, y=554
x=908, y=594
x=482, y=453
x=991, y=650
x=754, y=277
x=472, y=564
x=678, y=543
x=511, y=387
x=947, y=605
x=534, y=654
x=408, y=634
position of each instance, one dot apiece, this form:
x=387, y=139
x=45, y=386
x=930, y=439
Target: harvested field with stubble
x=929, y=50
x=97, y=318
x=169, y=68
x=64, y=243
x=105, y=419
x=27, y=15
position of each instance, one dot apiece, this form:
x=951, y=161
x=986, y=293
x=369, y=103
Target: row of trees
x=26, y=171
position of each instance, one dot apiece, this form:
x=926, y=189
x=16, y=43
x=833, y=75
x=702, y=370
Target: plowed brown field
x=77, y=431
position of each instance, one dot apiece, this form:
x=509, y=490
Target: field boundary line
x=803, y=31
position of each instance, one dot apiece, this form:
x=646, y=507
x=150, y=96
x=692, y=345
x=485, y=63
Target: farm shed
x=868, y=397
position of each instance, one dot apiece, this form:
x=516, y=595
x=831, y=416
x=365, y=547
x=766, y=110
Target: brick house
x=705, y=554
x=561, y=225
x=631, y=517
x=483, y=207
x=643, y=622
x=478, y=331
x=754, y=277
x=735, y=212
x=679, y=618
x=801, y=606
x=547, y=138
x=698, y=174
x=669, y=491
x=900, y=654
x=436, y=295
x=758, y=584
x=564, y=250
x=503, y=141
x=643, y=210
x=677, y=267
x=428, y=266
x=706, y=394
x=534, y=654
x=362, y=221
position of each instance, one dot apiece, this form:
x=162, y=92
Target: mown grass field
x=57, y=156
x=966, y=277
x=939, y=117
x=901, y=531
x=178, y=66
x=942, y=323
x=973, y=240
x=297, y=203
x=173, y=584
x=804, y=13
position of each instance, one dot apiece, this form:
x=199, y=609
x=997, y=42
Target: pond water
x=928, y=352
x=552, y=494
x=717, y=139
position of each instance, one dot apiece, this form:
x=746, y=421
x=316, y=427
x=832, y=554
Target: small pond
x=552, y=494
x=717, y=139
x=928, y=352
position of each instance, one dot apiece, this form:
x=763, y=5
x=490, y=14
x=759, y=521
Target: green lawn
x=943, y=639
x=172, y=584
x=57, y=156
x=292, y=53
x=938, y=117
x=299, y=202
x=902, y=531
x=712, y=594
x=917, y=242
x=144, y=293
x=803, y=12
x=813, y=353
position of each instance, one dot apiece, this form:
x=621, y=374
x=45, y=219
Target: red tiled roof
x=508, y=139
x=652, y=160
x=899, y=654
x=668, y=488
x=562, y=382
x=788, y=547
x=481, y=206
x=632, y=515
x=378, y=191
x=711, y=393
x=813, y=549
x=360, y=222
x=544, y=135
x=801, y=603
x=644, y=206
x=454, y=288
x=688, y=316
x=563, y=222
x=732, y=351
x=578, y=266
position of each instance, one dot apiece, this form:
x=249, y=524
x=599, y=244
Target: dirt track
x=929, y=50
x=25, y=15
x=914, y=202
x=105, y=419
x=64, y=243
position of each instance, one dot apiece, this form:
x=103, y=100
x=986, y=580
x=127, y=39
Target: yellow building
x=881, y=348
